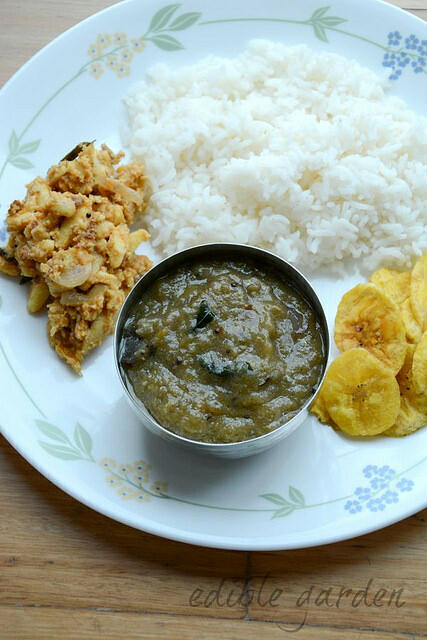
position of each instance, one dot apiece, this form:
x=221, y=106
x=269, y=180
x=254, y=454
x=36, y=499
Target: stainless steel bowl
x=230, y=250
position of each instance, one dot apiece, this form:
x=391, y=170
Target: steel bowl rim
x=218, y=446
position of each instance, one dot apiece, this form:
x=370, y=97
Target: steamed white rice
x=300, y=152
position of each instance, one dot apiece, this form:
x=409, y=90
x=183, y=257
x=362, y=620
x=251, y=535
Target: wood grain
x=72, y=546
x=61, y=562
x=409, y=4
x=67, y=572
x=36, y=624
x=420, y=13
x=27, y=26
x=313, y=579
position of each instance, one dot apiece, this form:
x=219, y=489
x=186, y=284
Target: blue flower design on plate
x=362, y=493
x=378, y=483
x=380, y=478
x=389, y=60
x=410, y=52
x=353, y=506
x=418, y=65
x=370, y=470
x=375, y=504
x=386, y=472
x=422, y=48
x=405, y=485
x=403, y=59
x=396, y=75
x=394, y=38
x=390, y=497
x=411, y=42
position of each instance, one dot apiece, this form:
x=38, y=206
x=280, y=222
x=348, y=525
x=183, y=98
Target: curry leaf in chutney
x=204, y=316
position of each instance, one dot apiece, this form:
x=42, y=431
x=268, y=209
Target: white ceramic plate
x=317, y=486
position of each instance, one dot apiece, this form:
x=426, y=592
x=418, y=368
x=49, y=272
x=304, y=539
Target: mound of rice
x=300, y=152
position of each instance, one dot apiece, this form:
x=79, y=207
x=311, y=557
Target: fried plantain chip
x=361, y=394
x=412, y=328
x=395, y=284
x=418, y=292
x=416, y=396
x=367, y=318
x=419, y=366
x=408, y=420
x=413, y=400
x=318, y=408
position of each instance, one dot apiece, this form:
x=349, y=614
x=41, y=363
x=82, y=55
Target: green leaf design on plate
x=13, y=143
x=276, y=498
x=296, y=496
x=165, y=42
x=83, y=439
x=320, y=12
x=320, y=22
x=319, y=32
x=21, y=163
x=64, y=453
x=52, y=432
x=162, y=17
x=331, y=21
x=29, y=147
x=285, y=511
x=184, y=21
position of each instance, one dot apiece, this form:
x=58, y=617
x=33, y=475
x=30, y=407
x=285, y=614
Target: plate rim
x=149, y=525
x=113, y=7
x=201, y=539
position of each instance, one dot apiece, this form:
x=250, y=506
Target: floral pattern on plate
x=303, y=486
x=131, y=480
x=114, y=52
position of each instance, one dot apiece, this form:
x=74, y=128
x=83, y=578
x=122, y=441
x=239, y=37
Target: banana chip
x=419, y=366
x=368, y=318
x=395, y=284
x=379, y=383
x=417, y=397
x=418, y=292
x=361, y=394
x=413, y=405
x=318, y=408
x=412, y=328
x=408, y=420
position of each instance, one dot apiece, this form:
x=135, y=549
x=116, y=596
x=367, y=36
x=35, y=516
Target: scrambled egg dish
x=71, y=237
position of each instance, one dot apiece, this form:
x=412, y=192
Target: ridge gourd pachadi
x=222, y=350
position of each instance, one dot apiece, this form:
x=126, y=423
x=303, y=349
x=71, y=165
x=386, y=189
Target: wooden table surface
x=68, y=572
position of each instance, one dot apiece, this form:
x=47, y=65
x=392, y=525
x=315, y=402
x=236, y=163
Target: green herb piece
x=204, y=316
x=219, y=366
x=72, y=155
